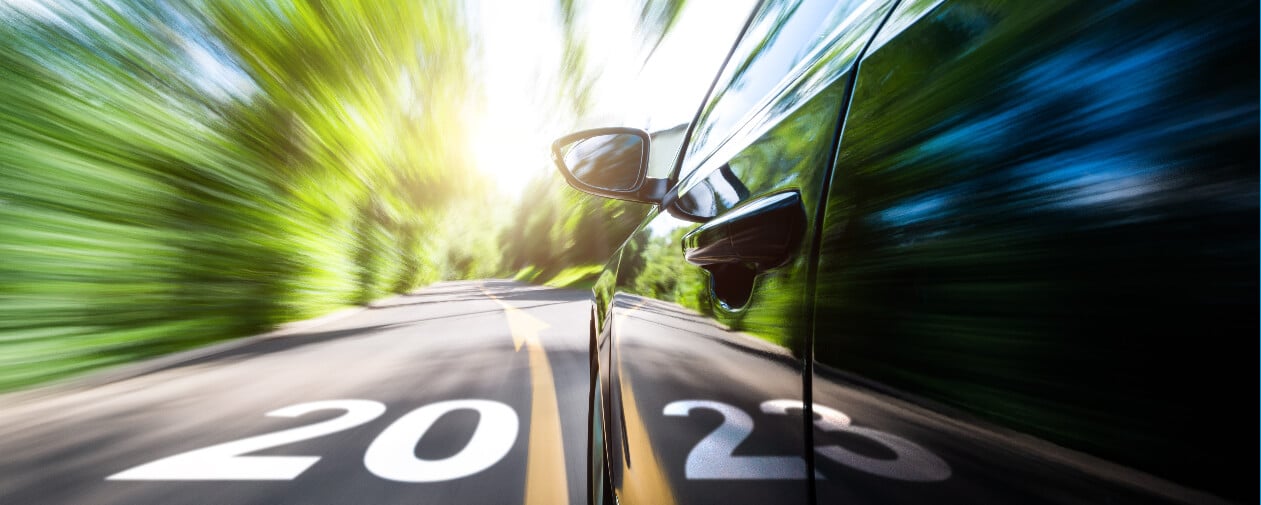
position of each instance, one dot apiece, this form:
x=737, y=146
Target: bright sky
x=521, y=51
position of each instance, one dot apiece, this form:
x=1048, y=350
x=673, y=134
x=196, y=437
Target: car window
x=779, y=38
x=665, y=151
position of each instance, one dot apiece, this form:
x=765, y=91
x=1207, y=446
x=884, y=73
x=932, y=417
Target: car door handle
x=762, y=234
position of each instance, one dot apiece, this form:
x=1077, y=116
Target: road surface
x=464, y=392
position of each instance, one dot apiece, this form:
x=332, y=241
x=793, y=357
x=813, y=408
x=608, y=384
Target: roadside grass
x=528, y=274
x=574, y=277
x=581, y=276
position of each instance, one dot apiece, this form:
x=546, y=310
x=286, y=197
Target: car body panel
x=1038, y=213
x=687, y=370
x=1020, y=221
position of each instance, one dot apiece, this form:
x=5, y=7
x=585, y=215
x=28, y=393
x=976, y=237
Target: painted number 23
x=390, y=456
x=712, y=457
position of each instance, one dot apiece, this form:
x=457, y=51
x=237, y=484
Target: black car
x=947, y=251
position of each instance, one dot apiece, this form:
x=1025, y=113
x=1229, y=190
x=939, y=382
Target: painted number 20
x=391, y=456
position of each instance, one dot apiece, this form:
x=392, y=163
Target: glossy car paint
x=1028, y=262
x=767, y=130
x=1038, y=213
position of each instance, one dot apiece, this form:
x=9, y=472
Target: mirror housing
x=608, y=162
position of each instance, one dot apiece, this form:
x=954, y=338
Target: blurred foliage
x=655, y=267
x=180, y=173
x=557, y=227
x=582, y=276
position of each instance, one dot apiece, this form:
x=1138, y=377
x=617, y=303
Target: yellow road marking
x=545, y=482
x=524, y=327
x=643, y=481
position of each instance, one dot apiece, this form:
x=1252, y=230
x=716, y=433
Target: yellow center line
x=644, y=481
x=545, y=482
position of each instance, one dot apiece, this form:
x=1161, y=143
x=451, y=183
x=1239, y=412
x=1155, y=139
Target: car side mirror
x=609, y=162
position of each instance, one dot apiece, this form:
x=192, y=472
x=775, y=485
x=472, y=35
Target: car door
x=706, y=335
x=1037, y=273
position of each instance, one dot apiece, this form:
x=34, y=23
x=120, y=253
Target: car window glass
x=665, y=151
x=781, y=35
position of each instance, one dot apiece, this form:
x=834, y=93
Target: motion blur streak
x=177, y=173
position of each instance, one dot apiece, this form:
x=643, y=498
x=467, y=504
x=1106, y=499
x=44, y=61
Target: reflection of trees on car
x=1037, y=258
x=1019, y=237
x=666, y=275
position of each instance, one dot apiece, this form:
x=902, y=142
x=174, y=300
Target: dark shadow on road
x=294, y=341
x=277, y=344
x=478, y=290
x=548, y=295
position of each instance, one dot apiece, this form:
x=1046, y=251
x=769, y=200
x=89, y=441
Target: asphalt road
x=465, y=392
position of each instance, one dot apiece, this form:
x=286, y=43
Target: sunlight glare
x=513, y=128
x=521, y=59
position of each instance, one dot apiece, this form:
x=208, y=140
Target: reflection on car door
x=707, y=358
x=1038, y=261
